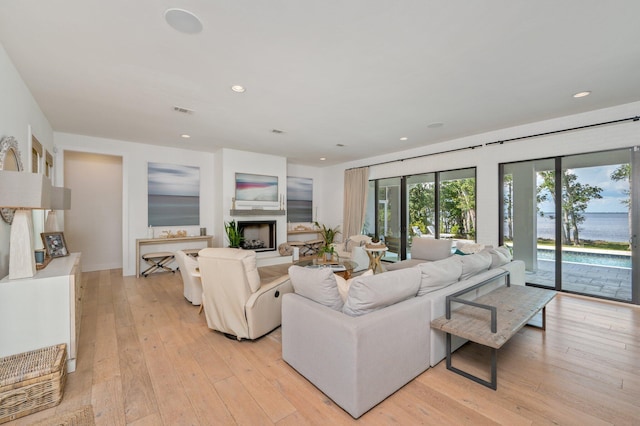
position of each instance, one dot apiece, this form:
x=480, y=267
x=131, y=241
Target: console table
x=149, y=241
x=492, y=319
x=43, y=310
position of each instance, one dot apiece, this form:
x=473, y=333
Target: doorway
x=93, y=226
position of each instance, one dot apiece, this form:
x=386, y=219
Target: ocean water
x=612, y=227
x=299, y=211
x=172, y=210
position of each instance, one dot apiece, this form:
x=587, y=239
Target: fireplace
x=258, y=235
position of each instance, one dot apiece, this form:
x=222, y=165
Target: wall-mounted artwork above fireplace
x=173, y=195
x=256, y=189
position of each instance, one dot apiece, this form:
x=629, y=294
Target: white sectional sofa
x=360, y=350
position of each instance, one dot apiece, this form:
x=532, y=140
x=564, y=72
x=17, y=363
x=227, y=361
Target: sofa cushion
x=317, y=284
x=439, y=274
x=343, y=285
x=506, y=251
x=474, y=263
x=498, y=258
x=430, y=249
x=368, y=294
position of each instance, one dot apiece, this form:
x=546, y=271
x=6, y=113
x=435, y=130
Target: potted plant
x=328, y=235
x=233, y=234
x=327, y=253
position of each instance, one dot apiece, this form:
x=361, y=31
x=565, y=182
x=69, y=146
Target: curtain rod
x=500, y=142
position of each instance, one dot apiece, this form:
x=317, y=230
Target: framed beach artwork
x=173, y=195
x=256, y=189
x=299, y=199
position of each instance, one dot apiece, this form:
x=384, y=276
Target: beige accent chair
x=353, y=249
x=236, y=303
x=192, y=285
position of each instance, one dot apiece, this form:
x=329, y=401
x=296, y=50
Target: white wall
x=249, y=162
x=135, y=157
x=487, y=158
x=20, y=116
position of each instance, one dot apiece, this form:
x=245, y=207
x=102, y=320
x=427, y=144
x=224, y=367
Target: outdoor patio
x=606, y=281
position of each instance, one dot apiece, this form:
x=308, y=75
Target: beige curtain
x=356, y=185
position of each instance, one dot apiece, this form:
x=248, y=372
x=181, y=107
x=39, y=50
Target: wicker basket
x=32, y=381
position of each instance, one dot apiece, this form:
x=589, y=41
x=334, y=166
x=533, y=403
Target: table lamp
x=23, y=191
x=60, y=200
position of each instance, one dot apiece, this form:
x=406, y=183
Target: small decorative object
x=39, y=255
x=233, y=203
x=233, y=234
x=150, y=232
x=181, y=233
x=203, y=232
x=55, y=244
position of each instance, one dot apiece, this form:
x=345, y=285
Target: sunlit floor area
x=146, y=357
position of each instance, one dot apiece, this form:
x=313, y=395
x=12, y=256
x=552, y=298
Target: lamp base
x=51, y=224
x=22, y=262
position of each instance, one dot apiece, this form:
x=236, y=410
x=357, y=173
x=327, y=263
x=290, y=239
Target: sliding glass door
x=429, y=205
x=571, y=220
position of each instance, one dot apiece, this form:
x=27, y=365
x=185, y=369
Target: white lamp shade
x=60, y=198
x=24, y=190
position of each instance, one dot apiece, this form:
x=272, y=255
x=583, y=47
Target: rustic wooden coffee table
x=491, y=320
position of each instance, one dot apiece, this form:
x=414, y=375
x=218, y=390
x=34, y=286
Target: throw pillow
x=498, y=258
x=368, y=294
x=343, y=285
x=439, y=274
x=506, y=251
x=469, y=248
x=474, y=263
x=318, y=285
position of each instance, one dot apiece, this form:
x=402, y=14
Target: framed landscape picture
x=173, y=195
x=299, y=199
x=256, y=188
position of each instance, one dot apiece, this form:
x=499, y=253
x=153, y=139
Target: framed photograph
x=54, y=244
x=256, y=188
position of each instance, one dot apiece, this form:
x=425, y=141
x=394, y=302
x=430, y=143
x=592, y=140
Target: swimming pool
x=588, y=258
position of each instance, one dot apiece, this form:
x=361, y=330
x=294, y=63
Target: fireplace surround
x=258, y=235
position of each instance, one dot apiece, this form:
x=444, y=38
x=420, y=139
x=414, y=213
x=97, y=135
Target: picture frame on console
x=55, y=244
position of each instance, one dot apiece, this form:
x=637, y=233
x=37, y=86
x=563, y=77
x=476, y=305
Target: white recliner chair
x=192, y=285
x=353, y=249
x=235, y=301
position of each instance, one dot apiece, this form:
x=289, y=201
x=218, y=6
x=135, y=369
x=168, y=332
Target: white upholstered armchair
x=235, y=301
x=353, y=249
x=192, y=286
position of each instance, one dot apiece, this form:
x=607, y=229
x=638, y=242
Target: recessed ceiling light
x=404, y=138
x=582, y=94
x=238, y=89
x=435, y=125
x=185, y=136
x=323, y=158
x=183, y=21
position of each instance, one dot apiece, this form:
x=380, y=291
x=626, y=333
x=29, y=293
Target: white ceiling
x=362, y=73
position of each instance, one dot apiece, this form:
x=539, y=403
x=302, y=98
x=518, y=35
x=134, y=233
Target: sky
x=612, y=191
x=171, y=179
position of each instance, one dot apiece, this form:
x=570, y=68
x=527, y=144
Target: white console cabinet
x=43, y=310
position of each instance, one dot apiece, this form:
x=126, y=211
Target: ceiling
x=342, y=80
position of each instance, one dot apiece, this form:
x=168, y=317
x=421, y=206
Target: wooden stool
x=158, y=262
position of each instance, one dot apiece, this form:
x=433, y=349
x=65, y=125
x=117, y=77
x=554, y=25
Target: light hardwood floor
x=147, y=358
